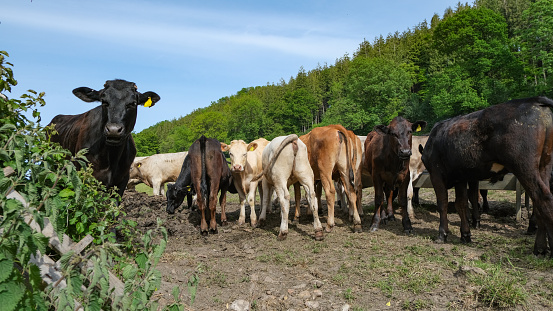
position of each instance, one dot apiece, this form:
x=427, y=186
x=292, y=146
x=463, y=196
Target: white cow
x=416, y=167
x=245, y=164
x=133, y=176
x=158, y=169
x=285, y=162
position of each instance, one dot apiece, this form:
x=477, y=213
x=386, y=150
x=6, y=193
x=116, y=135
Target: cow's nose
x=237, y=167
x=113, y=129
x=405, y=153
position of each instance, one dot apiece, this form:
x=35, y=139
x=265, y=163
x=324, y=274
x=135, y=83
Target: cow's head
x=175, y=196
x=119, y=100
x=238, y=151
x=401, y=130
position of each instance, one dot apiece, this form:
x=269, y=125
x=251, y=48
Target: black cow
x=387, y=155
x=516, y=136
x=181, y=188
x=208, y=172
x=105, y=130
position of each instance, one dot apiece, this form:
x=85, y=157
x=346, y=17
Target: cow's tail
x=204, y=187
x=350, y=161
x=288, y=140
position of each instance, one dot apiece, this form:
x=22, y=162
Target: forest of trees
x=474, y=56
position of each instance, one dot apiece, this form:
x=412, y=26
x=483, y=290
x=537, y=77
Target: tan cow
x=245, y=164
x=158, y=169
x=285, y=163
x=133, y=174
x=416, y=167
x=335, y=154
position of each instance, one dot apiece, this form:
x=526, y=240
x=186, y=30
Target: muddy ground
x=383, y=270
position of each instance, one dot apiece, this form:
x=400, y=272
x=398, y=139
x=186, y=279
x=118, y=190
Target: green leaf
x=65, y=193
x=6, y=266
x=11, y=294
x=129, y=272
x=141, y=260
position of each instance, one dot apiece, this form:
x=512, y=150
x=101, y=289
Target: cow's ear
x=87, y=94
x=252, y=146
x=421, y=148
x=418, y=126
x=148, y=99
x=224, y=147
x=382, y=129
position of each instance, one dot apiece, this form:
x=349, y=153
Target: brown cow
x=335, y=154
x=209, y=173
x=516, y=137
x=387, y=153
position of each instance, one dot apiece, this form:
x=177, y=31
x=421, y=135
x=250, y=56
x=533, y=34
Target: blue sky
x=191, y=53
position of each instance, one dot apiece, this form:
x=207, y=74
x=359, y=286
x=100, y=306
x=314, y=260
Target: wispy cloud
x=204, y=33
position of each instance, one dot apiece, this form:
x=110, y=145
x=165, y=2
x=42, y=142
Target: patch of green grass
x=339, y=279
x=348, y=295
x=499, y=287
x=316, y=247
x=417, y=304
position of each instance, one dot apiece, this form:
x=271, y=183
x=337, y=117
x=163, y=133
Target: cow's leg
x=542, y=200
x=330, y=194
x=312, y=201
x=416, y=196
x=213, y=208
x=378, y=202
x=251, y=203
x=242, y=197
x=359, y=200
x=389, y=191
x=485, y=204
x=473, y=198
x=351, y=195
x=461, y=205
x=318, y=194
x=410, y=209
x=297, y=197
x=284, y=199
x=156, y=186
x=223, y=204
x=267, y=191
x=201, y=206
x=441, y=201
x=402, y=198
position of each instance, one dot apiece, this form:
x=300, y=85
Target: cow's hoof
x=373, y=228
x=213, y=231
x=224, y=223
x=203, y=232
x=319, y=235
x=408, y=231
x=254, y=224
x=465, y=238
x=241, y=222
x=357, y=228
x=441, y=239
x=531, y=230
x=282, y=236
x=295, y=221
x=328, y=229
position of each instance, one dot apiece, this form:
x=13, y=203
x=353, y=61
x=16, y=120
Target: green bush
x=78, y=205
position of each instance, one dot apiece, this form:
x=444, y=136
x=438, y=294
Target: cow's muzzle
x=405, y=154
x=114, y=133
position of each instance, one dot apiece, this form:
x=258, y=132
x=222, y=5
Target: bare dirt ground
x=382, y=270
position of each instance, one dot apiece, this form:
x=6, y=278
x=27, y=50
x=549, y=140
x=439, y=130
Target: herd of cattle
x=516, y=137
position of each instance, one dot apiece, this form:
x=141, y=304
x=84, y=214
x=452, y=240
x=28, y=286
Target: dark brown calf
x=516, y=137
x=387, y=153
x=209, y=173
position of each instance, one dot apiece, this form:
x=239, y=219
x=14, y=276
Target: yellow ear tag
x=418, y=128
x=251, y=148
x=148, y=103
x=139, y=165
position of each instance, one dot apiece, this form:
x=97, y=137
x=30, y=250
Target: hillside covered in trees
x=474, y=56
